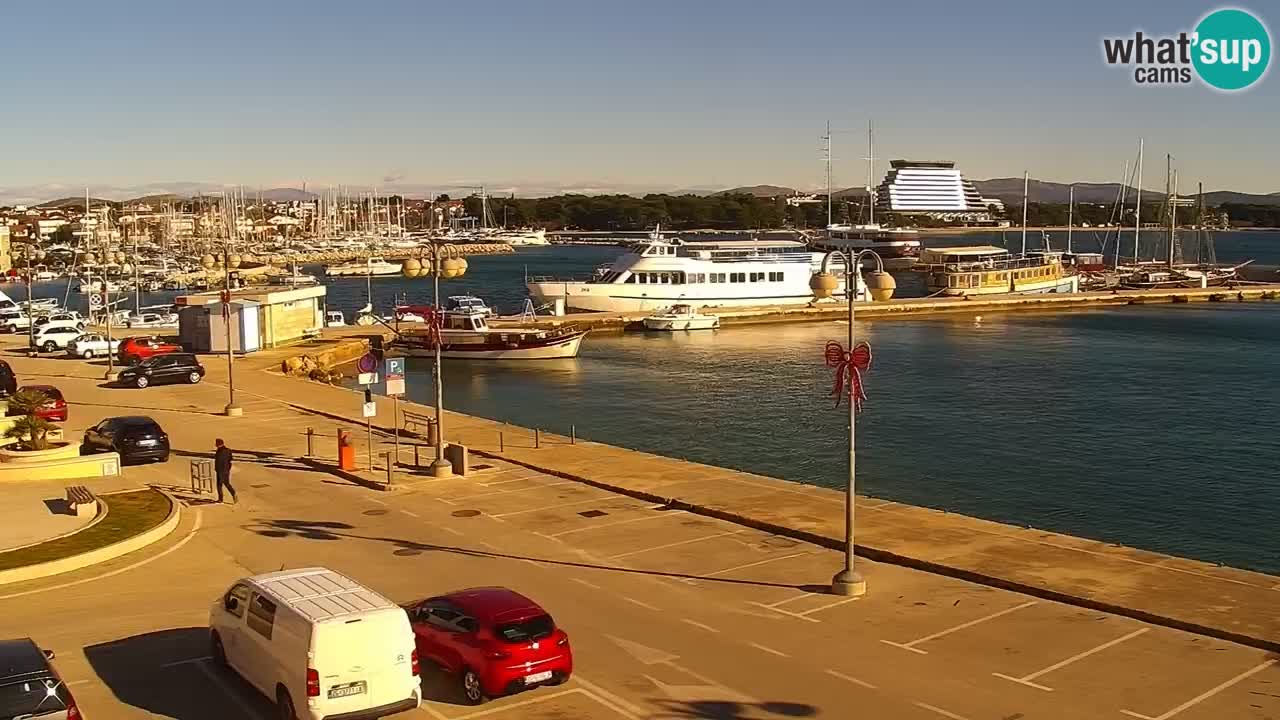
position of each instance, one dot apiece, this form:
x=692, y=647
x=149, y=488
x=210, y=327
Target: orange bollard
x=346, y=453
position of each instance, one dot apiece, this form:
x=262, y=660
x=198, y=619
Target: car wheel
x=164, y=458
x=87, y=354
x=218, y=652
x=284, y=705
x=141, y=381
x=472, y=692
x=50, y=346
x=193, y=378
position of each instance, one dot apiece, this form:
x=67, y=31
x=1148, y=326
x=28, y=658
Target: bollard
x=390, y=467
x=502, y=442
x=537, y=438
x=311, y=437
x=573, y=434
x=416, y=462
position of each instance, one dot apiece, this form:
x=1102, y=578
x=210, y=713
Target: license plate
x=340, y=691
x=537, y=677
x=146, y=442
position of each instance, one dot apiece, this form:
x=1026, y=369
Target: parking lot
x=672, y=614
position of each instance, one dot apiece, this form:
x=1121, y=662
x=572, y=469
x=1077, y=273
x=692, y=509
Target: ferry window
x=775, y=277
x=631, y=279
x=715, y=278
x=642, y=278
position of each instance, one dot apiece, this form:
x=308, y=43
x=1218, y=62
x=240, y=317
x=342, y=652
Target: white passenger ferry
x=890, y=243
x=661, y=272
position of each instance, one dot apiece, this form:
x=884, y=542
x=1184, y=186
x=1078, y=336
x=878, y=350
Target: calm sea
x=1155, y=426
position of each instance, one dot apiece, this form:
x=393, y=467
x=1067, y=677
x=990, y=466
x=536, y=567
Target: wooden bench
x=418, y=420
x=81, y=501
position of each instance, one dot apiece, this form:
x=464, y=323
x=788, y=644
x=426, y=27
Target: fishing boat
x=467, y=335
x=375, y=266
x=680, y=317
x=662, y=272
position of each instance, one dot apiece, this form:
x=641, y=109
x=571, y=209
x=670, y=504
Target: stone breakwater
x=337, y=256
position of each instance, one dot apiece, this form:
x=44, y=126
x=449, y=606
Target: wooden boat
x=680, y=317
x=468, y=335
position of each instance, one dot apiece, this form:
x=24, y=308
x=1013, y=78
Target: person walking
x=222, y=467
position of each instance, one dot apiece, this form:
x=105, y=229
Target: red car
x=494, y=640
x=56, y=409
x=136, y=349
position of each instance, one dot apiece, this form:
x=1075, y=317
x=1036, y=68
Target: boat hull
x=546, y=348
x=1065, y=284
x=661, y=324
x=599, y=297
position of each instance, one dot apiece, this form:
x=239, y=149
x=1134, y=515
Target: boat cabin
x=465, y=322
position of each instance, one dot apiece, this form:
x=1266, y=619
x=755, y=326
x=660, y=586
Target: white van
x=318, y=643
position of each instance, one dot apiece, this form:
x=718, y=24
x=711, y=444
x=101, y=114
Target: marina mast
x=827, y=137
x=1025, y=179
x=871, y=162
x=1137, y=214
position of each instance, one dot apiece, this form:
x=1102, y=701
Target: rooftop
x=320, y=594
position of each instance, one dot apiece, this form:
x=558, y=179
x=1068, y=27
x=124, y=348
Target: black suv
x=29, y=686
x=135, y=437
x=8, y=381
x=160, y=369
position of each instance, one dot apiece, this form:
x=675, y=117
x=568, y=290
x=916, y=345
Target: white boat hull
x=613, y=297
x=676, y=324
x=361, y=271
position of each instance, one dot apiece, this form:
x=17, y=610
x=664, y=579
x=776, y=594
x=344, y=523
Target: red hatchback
x=136, y=349
x=55, y=410
x=494, y=640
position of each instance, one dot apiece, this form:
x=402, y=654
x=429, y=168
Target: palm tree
x=30, y=429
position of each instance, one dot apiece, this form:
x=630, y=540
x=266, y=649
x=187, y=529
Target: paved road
x=672, y=615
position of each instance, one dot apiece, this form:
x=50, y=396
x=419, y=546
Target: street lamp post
x=446, y=261
x=32, y=253
x=229, y=262
x=848, y=581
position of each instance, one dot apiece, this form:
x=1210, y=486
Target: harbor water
x=1154, y=427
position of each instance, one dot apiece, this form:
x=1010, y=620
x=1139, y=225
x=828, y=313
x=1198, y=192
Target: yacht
x=680, y=317
x=526, y=236
x=989, y=270
x=369, y=266
x=661, y=272
x=890, y=243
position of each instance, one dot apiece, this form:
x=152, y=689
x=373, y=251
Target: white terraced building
x=934, y=188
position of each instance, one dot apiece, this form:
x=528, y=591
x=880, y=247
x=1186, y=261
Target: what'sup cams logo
x=1229, y=50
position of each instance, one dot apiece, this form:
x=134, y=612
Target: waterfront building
x=933, y=188
x=6, y=251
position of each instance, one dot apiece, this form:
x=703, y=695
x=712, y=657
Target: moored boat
x=468, y=335
x=375, y=266
x=681, y=317
x=990, y=270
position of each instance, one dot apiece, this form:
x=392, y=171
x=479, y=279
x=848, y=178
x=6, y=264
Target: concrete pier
x=906, y=308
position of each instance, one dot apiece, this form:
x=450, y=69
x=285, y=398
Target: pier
x=908, y=308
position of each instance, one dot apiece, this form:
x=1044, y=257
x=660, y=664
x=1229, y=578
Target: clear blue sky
x=602, y=94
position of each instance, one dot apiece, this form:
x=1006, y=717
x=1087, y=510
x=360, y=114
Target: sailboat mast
x=1173, y=212
x=827, y=137
x=871, y=161
x=1119, y=216
x=1025, y=179
x=1071, y=207
x=1137, y=214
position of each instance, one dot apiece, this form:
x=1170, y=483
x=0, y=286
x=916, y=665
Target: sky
x=603, y=95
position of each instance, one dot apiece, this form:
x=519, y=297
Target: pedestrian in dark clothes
x=222, y=466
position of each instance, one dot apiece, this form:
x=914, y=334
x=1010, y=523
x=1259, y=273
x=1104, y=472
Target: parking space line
x=410, y=513
x=657, y=516
x=787, y=612
x=245, y=708
x=642, y=604
x=624, y=707
x=1026, y=679
x=520, y=703
x=552, y=507
x=463, y=498
x=697, y=624
x=591, y=585
x=188, y=661
x=940, y=711
x=674, y=544
x=793, y=598
x=745, y=566
x=830, y=605
x=453, y=530
x=1205, y=695
x=769, y=650
x=850, y=678
x=912, y=645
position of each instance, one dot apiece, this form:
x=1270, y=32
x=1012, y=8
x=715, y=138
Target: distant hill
x=1009, y=190
x=760, y=191
x=77, y=202
x=284, y=195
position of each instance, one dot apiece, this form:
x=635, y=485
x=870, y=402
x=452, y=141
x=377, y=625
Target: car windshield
x=534, y=628
x=32, y=697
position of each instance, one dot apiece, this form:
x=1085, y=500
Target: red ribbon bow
x=850, y=364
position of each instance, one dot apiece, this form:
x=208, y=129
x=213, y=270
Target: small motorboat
x=334, y=318
x=680, y=317
x=467, y=335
